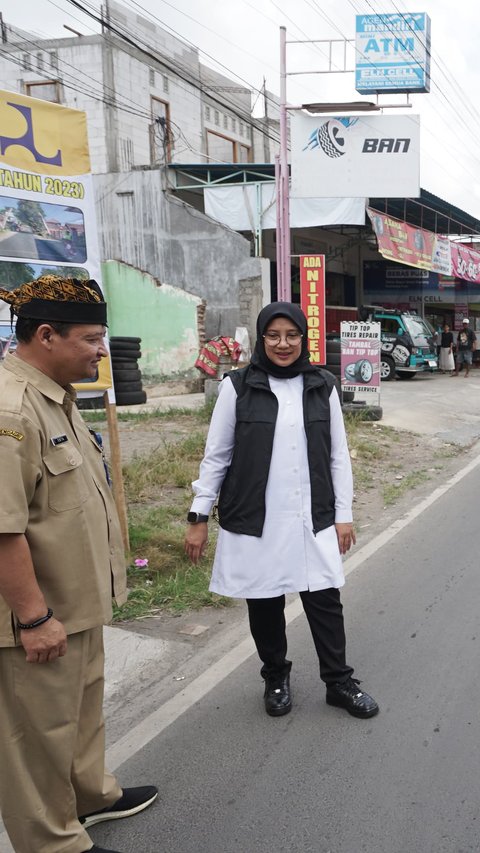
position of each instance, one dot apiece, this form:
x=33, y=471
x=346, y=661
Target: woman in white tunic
x=277, y=453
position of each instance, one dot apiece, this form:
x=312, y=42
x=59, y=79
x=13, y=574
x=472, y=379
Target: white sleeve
x=218, y=449
x=340, y=464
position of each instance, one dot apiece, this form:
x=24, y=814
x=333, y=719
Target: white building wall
x=120, y=136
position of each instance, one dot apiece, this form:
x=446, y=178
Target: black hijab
x=260, y=359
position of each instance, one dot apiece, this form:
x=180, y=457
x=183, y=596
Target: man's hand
x=346, y=536
x=45, y=643
x=196, y=540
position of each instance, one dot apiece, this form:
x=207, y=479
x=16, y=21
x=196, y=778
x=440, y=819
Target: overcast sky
x=243, y=35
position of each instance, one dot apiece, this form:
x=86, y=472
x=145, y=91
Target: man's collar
x=39, y=380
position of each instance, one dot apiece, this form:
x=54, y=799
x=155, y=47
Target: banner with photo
x=423, y=249
x=355, y=156
x=47, y=213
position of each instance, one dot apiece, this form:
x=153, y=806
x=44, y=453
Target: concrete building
x=150, y=102
x=148, y=98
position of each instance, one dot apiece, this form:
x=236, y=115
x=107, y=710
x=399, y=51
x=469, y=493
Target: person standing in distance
x=466, y=343
x=277, y=453
x=61, y=558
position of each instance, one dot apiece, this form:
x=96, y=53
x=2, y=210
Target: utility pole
x=283, y=189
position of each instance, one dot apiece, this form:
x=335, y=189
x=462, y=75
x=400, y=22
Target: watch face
x=192, y=517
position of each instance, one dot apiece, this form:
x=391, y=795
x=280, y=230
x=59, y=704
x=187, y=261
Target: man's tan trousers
x=52, y=746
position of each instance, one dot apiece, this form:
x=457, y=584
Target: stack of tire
x=333, y=365
x=127, y=377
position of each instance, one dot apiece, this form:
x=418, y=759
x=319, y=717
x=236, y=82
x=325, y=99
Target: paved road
x=319, y=781
x=25, y=245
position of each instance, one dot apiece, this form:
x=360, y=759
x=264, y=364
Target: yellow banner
x=42, y=137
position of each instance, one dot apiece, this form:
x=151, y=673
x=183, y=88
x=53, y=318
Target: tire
x=366, y=413
x=333, y=346
x=334, y=368
x=126, y=353
x=89, y=403
x=118, y=339
x=126, y=387
x=403, y=374
x=348, y=396
x=333, y=357
x=124, y=363
x=131, y=398
x=125, y=343
x=126, y=374
x=387, y=368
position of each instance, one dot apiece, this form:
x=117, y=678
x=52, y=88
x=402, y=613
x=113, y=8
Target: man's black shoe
x=347, y=695
x=133, y=800
x=96, y=849
x=278, y=699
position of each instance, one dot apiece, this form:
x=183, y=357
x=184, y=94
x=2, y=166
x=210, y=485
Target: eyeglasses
x=273, y=339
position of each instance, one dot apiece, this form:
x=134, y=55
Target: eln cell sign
x=312, y=302
x=393, y=53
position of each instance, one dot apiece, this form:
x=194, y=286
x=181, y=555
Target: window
x=161, y=139
x=126, y=154
x=26, y=62
x=165, y=84
x=47, y=90
x=53, y=60
x=234, y=125
x=241, y=128
x=217, y=117
x=151, y=76
x=225, y=150
x=207, y=113
x=40, y=61
x=225, y=122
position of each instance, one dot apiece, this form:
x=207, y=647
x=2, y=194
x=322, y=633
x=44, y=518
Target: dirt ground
x=410, y=465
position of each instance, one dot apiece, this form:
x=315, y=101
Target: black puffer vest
x=241, y=505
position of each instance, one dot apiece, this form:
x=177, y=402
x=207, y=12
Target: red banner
x=465, y=262
x=417, y=247
x=312, y=301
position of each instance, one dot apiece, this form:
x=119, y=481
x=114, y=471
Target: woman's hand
x=196, y=540
x=346, y=536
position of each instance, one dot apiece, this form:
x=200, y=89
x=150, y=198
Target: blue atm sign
x=393, y=53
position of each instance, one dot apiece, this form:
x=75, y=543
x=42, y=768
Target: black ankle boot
x=278, y=699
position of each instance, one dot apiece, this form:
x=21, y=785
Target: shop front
x=436, y=297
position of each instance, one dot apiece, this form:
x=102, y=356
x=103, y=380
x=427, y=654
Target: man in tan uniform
x=61, y=558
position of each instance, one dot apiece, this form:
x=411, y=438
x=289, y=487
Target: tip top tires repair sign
x=360, y=358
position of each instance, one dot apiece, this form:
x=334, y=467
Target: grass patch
x=186, y=590
x=170, y=582
x=393, y=491
x=158, y=489
x=202, y=415
x=172, y=463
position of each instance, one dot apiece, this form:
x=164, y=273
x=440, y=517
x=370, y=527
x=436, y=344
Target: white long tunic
x=287, y=557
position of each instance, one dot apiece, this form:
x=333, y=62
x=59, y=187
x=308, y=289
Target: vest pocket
x=66, y=485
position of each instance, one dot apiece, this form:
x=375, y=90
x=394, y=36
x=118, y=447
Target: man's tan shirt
x=54, y=490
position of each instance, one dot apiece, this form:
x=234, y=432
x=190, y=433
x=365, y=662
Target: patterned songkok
x=55, y=299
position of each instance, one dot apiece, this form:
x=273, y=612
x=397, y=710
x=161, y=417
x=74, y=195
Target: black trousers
x=324, y=612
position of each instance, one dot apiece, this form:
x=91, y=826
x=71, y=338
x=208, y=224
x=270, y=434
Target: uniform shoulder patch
x=12, y=433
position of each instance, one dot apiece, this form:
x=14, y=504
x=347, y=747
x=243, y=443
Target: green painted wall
x=164, y=317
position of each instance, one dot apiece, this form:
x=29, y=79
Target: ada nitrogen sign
x=393, y=53
x=312, y=301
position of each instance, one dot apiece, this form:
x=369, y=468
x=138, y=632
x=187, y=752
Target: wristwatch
x=196, y=517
